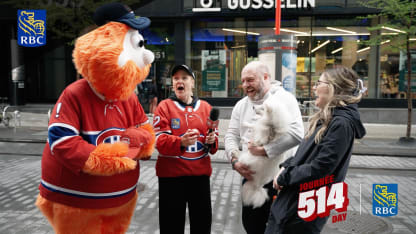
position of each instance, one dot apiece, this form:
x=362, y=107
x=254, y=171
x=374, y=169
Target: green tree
x=67, y=19
x=399, y=15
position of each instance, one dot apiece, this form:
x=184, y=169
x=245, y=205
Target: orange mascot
x=98, y=130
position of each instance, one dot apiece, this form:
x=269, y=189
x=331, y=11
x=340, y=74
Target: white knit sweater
x=243, y=112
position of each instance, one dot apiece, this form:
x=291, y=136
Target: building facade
x=221, y=36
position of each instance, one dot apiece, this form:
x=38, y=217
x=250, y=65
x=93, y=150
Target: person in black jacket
x=326, y=149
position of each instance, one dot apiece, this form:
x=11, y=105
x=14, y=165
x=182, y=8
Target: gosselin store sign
x=209, y=6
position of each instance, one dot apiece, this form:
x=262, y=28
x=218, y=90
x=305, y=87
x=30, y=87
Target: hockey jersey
x=171, y=120
x=81, y=120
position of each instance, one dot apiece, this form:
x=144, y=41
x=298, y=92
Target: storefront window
x=336, y=41
x=219, y=52
x=229, y=45
x=159, y=39
x=221, y=48
x=403, y=71
x=393, y=71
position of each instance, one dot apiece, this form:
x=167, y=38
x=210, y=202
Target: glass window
x=393, y=71
x=221, y=48
x=218, y=52
x=336, y=41
x=160, y=40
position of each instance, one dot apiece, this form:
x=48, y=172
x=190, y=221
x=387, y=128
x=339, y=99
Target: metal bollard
x=49, y=115
x=17, y=118
x=5, y=119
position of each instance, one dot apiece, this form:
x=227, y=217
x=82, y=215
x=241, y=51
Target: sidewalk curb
x=22, y=140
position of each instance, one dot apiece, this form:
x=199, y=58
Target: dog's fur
x=273, y=121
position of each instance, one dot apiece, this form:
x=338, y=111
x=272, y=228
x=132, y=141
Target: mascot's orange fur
x=97, y=134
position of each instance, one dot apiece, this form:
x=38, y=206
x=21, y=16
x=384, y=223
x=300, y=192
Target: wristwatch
x=233, y=162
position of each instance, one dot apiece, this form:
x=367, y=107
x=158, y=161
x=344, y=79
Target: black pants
x=255, y=220
x=294, y=225
x=174, y=194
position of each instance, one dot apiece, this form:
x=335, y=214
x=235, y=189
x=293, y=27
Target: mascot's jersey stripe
x=75, y=193
x=59, y=132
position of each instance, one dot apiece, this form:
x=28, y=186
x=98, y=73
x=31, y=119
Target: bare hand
x=275, y=184
x=189, y=138
x=210, y=138
x=244, y=170
x=256, y=150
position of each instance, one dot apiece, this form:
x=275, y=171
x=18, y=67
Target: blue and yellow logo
x=175, y=123
x=385, y=199
x=31, y=28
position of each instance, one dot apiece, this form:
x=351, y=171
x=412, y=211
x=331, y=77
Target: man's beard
x=259, y=93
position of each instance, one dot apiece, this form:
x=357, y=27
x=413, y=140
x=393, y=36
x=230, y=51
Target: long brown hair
x=344, y=88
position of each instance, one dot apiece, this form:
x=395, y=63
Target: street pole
x=17, y=72
x=279, y=53
x=277, y=17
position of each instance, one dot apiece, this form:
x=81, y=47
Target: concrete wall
x=386, y=115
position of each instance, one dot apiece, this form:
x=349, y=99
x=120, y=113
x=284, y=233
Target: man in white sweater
x=258, y=86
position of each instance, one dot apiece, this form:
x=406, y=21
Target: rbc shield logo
x=385, y=199
x=175, y=123
x=31, y=28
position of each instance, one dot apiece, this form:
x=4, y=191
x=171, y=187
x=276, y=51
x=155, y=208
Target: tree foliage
x=396, y=25
x=67, y=19
x=396, y=14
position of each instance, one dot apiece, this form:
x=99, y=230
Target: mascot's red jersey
x=80, y=121
x=172, y=119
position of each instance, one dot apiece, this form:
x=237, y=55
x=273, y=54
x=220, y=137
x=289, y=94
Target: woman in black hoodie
x=325, y=151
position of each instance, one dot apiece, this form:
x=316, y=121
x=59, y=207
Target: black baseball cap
x=184, y=68
x=121, y=13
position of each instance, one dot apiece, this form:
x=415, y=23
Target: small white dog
x=273, y=121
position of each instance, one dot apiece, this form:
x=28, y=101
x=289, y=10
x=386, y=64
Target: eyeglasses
x=318, y=82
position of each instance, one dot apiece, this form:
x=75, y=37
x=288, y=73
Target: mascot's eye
x=141, y=43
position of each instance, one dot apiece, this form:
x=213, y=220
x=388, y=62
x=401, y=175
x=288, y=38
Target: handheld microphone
x=212, y=123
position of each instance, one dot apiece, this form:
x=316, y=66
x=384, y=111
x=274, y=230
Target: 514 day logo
x=31, y=28
x=320, y=199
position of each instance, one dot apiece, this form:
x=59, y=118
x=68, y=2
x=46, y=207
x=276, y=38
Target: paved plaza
x=378, y=158
x=20, y=175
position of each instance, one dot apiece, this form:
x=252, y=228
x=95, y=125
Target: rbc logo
x=175, y=123
x=31, y=28
x=385, y=199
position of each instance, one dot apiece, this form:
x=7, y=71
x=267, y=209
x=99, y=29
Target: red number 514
x=319, y=202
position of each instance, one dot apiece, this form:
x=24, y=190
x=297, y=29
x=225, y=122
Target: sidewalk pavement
x=381, y=139
x=20, y=175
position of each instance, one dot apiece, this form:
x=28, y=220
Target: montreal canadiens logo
x=110, y=135
x=198, y=146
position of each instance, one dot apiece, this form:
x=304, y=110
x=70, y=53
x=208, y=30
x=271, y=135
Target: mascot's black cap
x=184, y=68
x=119, y=12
